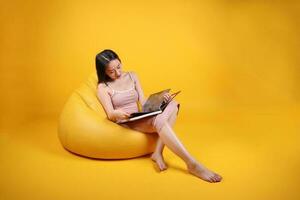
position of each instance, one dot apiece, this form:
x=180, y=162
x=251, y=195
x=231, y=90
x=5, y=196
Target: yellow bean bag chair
x=84, y=129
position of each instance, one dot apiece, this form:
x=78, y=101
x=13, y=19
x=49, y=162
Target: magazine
x=154, y=105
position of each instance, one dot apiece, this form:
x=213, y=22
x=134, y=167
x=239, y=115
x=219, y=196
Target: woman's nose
x=118, y=73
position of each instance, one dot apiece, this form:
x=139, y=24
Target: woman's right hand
x=120, y=114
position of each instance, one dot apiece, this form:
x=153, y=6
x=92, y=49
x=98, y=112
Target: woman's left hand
x=167, y=97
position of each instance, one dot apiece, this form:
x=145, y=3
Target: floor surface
x=256, y=152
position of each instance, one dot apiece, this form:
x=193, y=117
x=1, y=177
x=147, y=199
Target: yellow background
x=236, y=63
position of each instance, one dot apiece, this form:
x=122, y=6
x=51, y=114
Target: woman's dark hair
x=102, y=59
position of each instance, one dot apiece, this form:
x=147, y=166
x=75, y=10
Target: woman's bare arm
x=139, y=89
x=105, y=100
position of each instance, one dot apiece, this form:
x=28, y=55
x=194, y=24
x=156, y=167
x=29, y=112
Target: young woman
x=120, y=91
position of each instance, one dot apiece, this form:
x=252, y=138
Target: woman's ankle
x=156, y=154
x=191, y=163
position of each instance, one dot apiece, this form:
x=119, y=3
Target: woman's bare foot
x=158, y=158
x=204, y=173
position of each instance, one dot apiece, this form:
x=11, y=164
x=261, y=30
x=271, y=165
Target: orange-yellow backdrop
x=222, y=55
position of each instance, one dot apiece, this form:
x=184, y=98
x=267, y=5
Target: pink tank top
x=125, y=100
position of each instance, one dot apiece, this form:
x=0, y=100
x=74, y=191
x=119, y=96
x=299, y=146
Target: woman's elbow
x=111, y=117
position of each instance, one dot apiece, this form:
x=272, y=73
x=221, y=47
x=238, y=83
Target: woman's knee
x=173, y=117
x=161, y=120
x=176, y=106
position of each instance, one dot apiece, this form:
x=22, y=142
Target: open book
x=154, y=105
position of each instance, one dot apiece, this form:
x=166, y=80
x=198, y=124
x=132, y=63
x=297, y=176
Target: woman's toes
x=219, y=177
x=165, y=167
x=204, y=173
x=160, y=167
x=159, y=162
x=216, y=179
x=212, y=178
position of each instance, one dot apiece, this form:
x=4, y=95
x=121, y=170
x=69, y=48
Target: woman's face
x=114, y=69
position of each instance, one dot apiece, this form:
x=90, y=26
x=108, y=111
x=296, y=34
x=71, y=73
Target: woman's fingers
x=125, y=114
x=167, y=96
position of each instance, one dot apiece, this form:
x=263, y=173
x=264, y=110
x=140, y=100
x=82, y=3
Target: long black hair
x=102, y=59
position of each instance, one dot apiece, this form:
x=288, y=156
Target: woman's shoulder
x=102, y=87
x=133, y=74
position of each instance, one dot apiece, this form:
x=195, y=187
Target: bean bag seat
x=84, y=129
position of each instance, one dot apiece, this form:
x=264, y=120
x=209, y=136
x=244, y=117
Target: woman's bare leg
x=157, y=155
x=169, y=138
x=160, y=145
